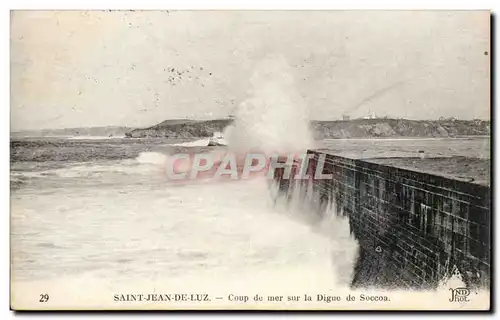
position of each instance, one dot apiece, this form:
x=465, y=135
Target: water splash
x=274, y=119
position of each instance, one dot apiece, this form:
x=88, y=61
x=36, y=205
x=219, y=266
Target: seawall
x=414, y=229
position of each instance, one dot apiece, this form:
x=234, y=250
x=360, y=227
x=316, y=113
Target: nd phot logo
x=459, y=295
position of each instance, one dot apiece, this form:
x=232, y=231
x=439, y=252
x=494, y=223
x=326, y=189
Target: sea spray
x=274, y=119
x=154, y=158
x=272, y=122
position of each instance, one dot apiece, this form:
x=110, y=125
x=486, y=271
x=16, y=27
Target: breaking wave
x=274, y=119
x=196, y=143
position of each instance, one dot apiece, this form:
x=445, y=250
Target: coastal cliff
x=341, y=129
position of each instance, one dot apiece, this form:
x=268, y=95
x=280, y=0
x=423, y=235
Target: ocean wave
x=146, y=164
x=154, y=158
x=196, y=143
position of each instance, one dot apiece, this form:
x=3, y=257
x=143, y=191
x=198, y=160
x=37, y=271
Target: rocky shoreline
x=342, y=129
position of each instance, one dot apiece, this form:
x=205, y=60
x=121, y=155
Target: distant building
x=344, y=117
x=370, y=116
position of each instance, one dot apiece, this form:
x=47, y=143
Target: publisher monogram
x=459, y=295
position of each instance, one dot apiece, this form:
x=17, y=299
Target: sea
x=91, y=216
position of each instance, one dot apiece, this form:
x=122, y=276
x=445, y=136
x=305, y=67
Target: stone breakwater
x=414, y=229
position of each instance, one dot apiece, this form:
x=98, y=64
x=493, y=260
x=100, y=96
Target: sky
x=138, y=68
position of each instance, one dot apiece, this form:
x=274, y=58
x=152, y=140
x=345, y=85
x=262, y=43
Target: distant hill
x=114, y=131
x=175, y=121
x=182, y=129
x=366, y=128
x=359, y=128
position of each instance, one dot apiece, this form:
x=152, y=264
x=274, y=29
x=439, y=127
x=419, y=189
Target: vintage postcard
x=250, y=160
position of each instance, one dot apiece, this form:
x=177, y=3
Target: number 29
x=44, y=297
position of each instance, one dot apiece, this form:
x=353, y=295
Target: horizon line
x=228, y=118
